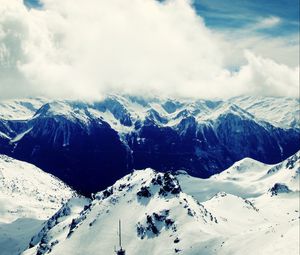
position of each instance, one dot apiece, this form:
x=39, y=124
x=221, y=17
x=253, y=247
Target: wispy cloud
x=268, y=22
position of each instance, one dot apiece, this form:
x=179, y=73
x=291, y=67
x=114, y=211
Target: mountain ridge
x=199, y=136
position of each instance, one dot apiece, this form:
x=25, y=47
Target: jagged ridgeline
x=90, y=145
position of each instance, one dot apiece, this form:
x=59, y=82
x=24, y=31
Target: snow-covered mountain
x=279, y=111
x=200, y=136
x=245, y=178
x=20, y=109
x=28, y=197
x=251, y=208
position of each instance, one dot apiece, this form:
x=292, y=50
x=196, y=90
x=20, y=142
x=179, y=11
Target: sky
x=222, y=14
x=200, y=48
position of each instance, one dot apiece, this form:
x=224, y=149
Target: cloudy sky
x=200, y=48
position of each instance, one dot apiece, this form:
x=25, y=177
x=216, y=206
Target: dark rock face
x=86, y=159
x=191, y=147
x=144, y=192
x=154, y=224
x=203, y=149
x=169, y=184
x=279, y=188
x=5, y=147
x=87, y=153
x=261, y=142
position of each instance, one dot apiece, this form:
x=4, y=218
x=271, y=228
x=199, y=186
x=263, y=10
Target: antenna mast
x=120, y=237
x=120, y=251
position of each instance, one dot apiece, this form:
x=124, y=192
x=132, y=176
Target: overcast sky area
x=202, y=48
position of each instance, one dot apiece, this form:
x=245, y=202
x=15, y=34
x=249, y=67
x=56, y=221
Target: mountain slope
x=159, y=217
x=280, y=112
x=162, y=214
x=245, y=178
x=28, y=197
x=271, y=190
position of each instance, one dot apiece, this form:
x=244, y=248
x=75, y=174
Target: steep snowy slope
x=159, y=217
x=28, y=197
x=279, y=111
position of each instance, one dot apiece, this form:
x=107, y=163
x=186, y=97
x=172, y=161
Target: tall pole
x=120, y=241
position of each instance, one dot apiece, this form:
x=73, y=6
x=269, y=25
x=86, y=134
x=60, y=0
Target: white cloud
x=268, y=22
x=284, y=50
x=266, y=77
x=85, y=49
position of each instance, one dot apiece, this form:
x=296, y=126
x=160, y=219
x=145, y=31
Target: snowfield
x=28, y=197
x=251, y=208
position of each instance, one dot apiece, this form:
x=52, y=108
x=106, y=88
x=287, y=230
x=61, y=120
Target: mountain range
x=91, y=144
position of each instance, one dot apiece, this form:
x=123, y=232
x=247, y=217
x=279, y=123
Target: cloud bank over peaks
x=80, y=49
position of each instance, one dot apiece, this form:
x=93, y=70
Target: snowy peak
x=246, y=169
x=66, y=109
x=228, y=109
x=280, y=177
x=162, y=214
x=247, y=178
x=151, y=183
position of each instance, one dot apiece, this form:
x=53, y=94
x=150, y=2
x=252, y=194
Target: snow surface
x=28, y=197
x=279, y=111
x=246, y=178
x=20, y=109
x=243, y=210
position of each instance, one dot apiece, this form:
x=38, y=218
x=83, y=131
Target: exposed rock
x=279, y=188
